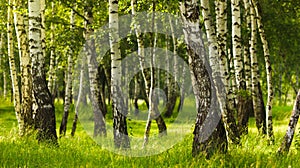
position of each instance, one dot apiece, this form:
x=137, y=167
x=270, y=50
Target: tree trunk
x=218, y=78
x=68, y=88
x=153, y=109
x=172, y=93
x=79, y=96
x=21, y=24
x=221, y=25
x=121, y=138
x=255, y=84
x=45, y=117
x=238, y=66
x=51, y=82
x=152, y=97
x=182, y=91
x=93, y=71
x=201, y=84
x=2, y=66
x=288, y=138
x=268, y=71
x=13, y=71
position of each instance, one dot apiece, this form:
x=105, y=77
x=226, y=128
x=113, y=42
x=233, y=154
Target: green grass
x=83, y=151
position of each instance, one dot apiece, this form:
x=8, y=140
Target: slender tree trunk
x=288, y=138
x=79, y=97
x=172, y=94
x=232, y=80
x=238, y=66
x=255, y=72
x=45, y=116
x=93, y=71
x=153, y=109
x=182, y=91
x=5, y=85
x=2, y=66
x=51, y=81
x=152, y=98
x=21, y=24
x=1, y=59
x=221, y=25
x=268, y=71
x=218, y=78
x=136, y=94
x=201, y=84
x=247, y=61
x=236, y=43
x=13, y=70
x=121, y=138
x=68, y=89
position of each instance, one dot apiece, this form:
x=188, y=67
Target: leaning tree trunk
x=201, y=84
x=45, y=117
x=121, y=138
x=288, y=138
x=21, y=24
x=268, y=71
x=93, y=71
x=13, y=70
x=68, y=88
x=79, y=96
x=218, y=78
x=255, y=84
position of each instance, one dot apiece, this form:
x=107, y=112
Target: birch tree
x=13, y=69
x=21, y=26
x=51, y=81
x=149, y=84
x=93, y=71
x=268, y=71
x=288, y=138
x=45, y=117
x=68, y=88
x=258, y=105
x=121, y=139
x=202, y=88
x=218, y=78
x=2, y=66
x=238, y=65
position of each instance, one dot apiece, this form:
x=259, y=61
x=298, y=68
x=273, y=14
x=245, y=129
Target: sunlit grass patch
x=83, y=151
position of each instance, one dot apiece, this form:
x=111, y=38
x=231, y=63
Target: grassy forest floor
x=82, y=151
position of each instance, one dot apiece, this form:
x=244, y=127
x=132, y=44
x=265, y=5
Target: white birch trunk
x=68, y=88
x=21, y=24
x=288, y=138
x=218, y=78
x=51, y=81
x=45, y=117
x=255, y=72
x=202, y=88
x=236, y=43
x=121, y=138
x=268, y=71
x=13, y=69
